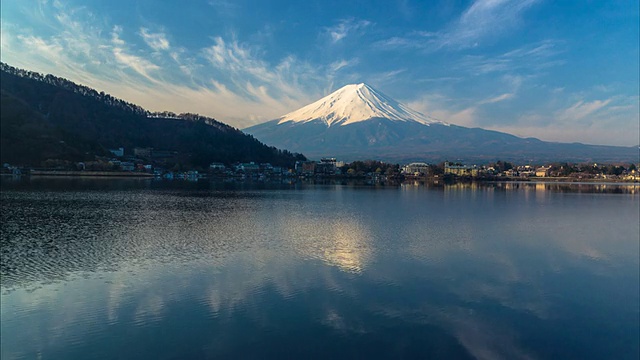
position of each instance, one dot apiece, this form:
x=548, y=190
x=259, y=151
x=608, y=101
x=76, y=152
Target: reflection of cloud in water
x=482, y=337
x=149, y=309
x=334, y=320
x=484, y=252
x=462, y=252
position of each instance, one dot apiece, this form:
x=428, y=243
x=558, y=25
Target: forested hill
x=46, y=117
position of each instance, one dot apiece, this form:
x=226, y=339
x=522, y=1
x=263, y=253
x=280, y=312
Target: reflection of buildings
x=462, y=186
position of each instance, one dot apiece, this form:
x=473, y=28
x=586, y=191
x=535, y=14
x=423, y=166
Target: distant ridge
x=358, y=122
x=45, y=117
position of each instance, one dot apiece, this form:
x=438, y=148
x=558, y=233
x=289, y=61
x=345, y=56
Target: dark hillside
x=46, y=117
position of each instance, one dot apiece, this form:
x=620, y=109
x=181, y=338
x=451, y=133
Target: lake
x=144, y=269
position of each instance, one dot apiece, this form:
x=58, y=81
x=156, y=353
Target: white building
x=416, y=169
x=543, y=171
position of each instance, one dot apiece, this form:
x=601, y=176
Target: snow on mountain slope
x=355, y=103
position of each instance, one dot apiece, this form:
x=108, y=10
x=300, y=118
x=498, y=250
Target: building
x=119, y=152
x=127, y=166
x=461, y=170
x=326, y=166
x=248, y=168
x=511, y=173
x=306, y=167
x=329, y=161
x=216, y=166
x=266, y=168
x=161, y=154
x=633, y=175
x=543, y=171
x=526, y=171
x=143, y=152
x=416, y=169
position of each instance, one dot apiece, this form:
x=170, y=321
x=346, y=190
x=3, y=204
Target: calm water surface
x=155, y=270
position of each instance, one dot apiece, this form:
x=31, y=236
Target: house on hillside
x=143, y=152
x=119, y=152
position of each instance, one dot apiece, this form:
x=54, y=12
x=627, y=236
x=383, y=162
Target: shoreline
x=89, y=174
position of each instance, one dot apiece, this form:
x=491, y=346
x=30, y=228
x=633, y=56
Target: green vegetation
x=359, y=168
x=566, y=169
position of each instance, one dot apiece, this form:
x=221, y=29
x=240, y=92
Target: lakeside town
x=147, y=162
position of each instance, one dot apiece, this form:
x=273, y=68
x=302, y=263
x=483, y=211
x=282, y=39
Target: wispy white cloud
x=392, y=73
x=49, y=50
x=441, y=79
x=529, y=58
x=156, y=41
x=581, y=109
x=384, y=78
x=399, y=42
x=344, y=27
x=241, y=65
x=340, y=64
x=243, y=82
x=445, y=109
x=225, y=7
x=137, y=63
x=247, y=89
x=612, y=121
x=483, y=19
x=499, y=98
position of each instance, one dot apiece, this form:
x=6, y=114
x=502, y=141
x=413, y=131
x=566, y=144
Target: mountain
x=352, y=104
x=357, y=122
x=51, y=118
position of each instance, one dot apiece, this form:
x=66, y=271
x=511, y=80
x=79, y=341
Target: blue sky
x=557, y=70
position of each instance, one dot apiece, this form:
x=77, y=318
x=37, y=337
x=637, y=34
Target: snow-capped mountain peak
x=355, y=103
